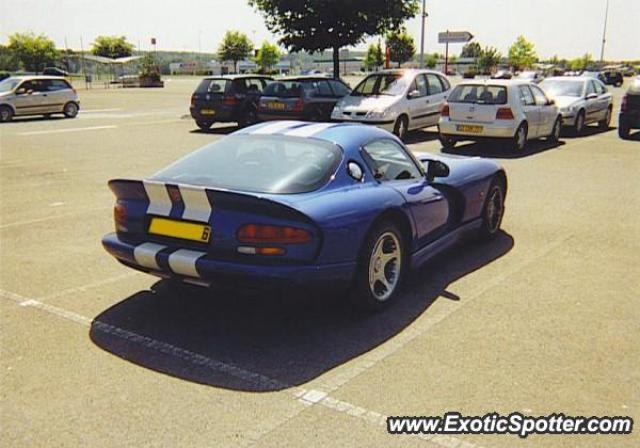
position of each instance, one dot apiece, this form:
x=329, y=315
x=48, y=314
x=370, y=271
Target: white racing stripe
x=145, y=255
x=308, y=131
x=275, y=127
x=61, y=131
x=159, y=200
x=183, y=262
x=196, y=204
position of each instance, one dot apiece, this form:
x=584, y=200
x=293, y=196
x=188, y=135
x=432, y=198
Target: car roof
x=569, y=78
x=496, y=82
x=238, y=76
x=406, y=71
x=304, y=78
x=34, y=77
x=342, y=134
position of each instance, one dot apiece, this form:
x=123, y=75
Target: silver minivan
x=37, y=95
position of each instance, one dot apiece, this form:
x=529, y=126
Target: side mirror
x=436, y=168
x=592, y=96
x=21, y=91
x=551, y=102
x=413, y=94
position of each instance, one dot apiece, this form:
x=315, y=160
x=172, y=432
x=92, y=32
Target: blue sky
x=568, y=28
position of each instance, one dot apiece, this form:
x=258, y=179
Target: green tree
x=471, y=50
x=111, y=47
x=235, y=46
x=431, y=60
x=33, y=52
x=401, y=46
x=149, y=67
x=268, y=56
x=522, y=54
x=374, y=57
x=314, y=25
x=8, y=59
x=581, y=63
x=489, y=58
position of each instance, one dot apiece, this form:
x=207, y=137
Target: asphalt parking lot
x=543, y=319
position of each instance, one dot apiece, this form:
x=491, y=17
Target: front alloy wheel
x=401, y=126
x=520, y=138
x=384, y=266
x=493, y=210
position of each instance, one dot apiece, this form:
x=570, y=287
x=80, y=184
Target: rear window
x=479, y=94
x=212, y=86
x=284, y=89
x=258, y=163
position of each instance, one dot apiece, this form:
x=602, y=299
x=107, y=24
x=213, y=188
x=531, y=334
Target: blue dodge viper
x=304, y=203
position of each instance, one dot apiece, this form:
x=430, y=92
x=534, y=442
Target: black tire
x=370, y=292
x=493, y=209
x=70, y=110
x=579, y=126
x=624, y=130
x=400, y=127
x=6, y=114
x=555, y=132
x=519, y=141
x=249, y=118
x=447, y=142
x=204, y=125
x=316, y=115
x=604, y=124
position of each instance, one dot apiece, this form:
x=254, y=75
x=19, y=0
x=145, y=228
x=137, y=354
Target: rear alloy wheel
x=380, y=268
x=447, y=142
x=204, y=125
x=604, y=124
x=579, y=126
x=6, y=114
x=401, y=126
x=70, y=110
x=493, y=210
x=555, y=132
x=520, y=138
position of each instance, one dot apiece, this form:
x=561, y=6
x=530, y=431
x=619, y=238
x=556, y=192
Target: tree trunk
x=336, y=62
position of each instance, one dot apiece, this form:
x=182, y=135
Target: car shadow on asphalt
x=220, y=130
x=588, y=131
x=499, y=150
x=22, y=119
x=266, y=342
x=420, y=136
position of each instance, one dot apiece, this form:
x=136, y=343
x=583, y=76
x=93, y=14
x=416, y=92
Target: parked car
x=502, y=74
x=529, y=76
x=629, y=117
x=225, y=99
x=595, y=75
x=55, y=71
x=37, y=95
x=395, y=100
x=613, y=78
x=514, y=111
x=312, y=204
x=582, y=100
x=309, y=98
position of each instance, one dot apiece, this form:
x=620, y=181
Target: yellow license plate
x=207, y=111
x=180, y=229
x=469, y=128
x=276, y=106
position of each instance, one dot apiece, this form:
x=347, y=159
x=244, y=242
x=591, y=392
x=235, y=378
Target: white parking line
x=307, y=397
x=61, y=131
x=48, y=218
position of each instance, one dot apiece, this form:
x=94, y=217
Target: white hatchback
x=515, y=111
x=396, y=100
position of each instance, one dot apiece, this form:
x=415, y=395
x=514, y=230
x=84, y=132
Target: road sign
x=454, y=37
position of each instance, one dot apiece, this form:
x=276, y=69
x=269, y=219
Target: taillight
x=625, y=103
x=255, y=233
x=229, y=100
x=120, y=216
x=444, y=112
x=298, y=106
x=193, y=100
x=504, y=113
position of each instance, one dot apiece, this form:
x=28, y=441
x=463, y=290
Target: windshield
x=564, y=87
x=9, y=84
x=382, y=84
x=258, y=163
x=479, y=94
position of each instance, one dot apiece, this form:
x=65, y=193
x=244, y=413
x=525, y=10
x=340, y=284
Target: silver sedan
x=582, y=100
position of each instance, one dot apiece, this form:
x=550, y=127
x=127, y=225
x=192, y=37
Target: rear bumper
x=221, y=114
x=489, y=130
x=271, y=116
x=631, y=118
x=201, y=268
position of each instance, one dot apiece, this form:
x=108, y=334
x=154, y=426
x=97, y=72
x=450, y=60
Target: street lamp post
x=604, y=32
x=424, y=17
